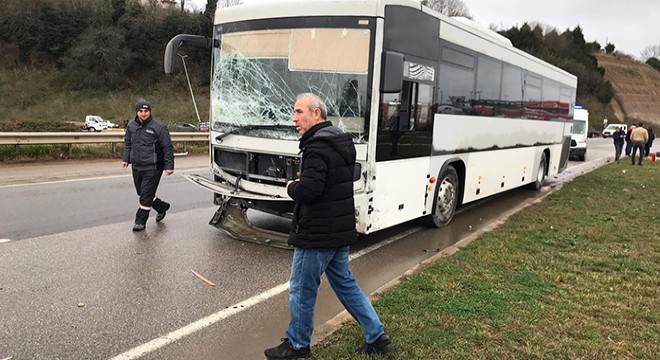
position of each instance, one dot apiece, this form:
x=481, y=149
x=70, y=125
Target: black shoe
x=382, y=346
x=286, y=351
x=161, y=216
x=138, y=227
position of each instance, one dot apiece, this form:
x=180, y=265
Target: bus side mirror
x=391, y=79
x=176, y=42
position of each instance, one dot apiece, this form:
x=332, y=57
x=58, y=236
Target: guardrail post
x=113, y=148
x=68, y=148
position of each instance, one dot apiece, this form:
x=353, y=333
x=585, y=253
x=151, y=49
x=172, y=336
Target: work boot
x=138, y=227
x=161, y=214
x=382, y=346
x=286, y=351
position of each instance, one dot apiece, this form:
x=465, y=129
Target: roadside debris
x=202, y=278
x=79, y=305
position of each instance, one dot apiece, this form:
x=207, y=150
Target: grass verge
x=576, y=276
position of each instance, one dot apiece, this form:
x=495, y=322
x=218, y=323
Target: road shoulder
x=39, y=172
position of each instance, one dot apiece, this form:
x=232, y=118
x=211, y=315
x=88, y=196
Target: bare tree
x=449, y=7
x=651, y=51
x=228, y=3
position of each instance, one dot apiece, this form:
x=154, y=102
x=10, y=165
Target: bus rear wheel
x=446, y=198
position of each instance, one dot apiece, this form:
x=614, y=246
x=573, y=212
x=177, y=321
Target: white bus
x=443, y=112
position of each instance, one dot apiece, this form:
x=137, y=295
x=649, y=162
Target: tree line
x=98, y=44
x=119, y=44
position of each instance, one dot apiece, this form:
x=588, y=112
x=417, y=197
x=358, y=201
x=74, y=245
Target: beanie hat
x=142, y=104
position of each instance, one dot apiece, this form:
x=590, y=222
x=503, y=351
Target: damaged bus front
x=259, y=66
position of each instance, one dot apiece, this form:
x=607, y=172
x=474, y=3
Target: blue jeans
x=306, y=270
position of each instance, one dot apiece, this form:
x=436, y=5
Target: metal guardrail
x=29, y=138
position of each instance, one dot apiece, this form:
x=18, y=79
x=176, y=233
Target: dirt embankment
x=636, y=86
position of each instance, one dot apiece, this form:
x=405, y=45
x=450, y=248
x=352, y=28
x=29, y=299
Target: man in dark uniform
x=148, y=148
x=323, y=227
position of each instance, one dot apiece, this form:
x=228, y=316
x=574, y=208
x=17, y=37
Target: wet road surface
x=97, y=290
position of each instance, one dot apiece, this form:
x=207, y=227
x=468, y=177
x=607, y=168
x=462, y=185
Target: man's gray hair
x=315, y=102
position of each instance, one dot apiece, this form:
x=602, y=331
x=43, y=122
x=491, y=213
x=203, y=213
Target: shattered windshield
x=258, y=74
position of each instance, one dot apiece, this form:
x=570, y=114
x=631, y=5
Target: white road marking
x=196, y=170
x=4, y=240
x=200, y=324
x=65, y=181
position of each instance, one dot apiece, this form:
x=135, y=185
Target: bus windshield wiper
x=238, y=129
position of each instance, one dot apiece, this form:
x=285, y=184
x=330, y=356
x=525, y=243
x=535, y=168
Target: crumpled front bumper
x=231, y=216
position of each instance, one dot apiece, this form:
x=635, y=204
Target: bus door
x=406, y=123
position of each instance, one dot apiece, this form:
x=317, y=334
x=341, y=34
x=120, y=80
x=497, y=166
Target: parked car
x=184, y=126
x=109, y=124
x=204, y=126
x=593, y=133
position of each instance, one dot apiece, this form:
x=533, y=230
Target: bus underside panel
x=232, y=218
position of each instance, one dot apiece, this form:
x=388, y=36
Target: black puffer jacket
x=147, y=146
x=324, y=214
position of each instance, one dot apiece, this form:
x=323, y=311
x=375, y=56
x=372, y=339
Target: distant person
x=628, y=141
x=322, y=230
x=148, y=148
x=647, y=148
x=639, y=137
x=618, y=137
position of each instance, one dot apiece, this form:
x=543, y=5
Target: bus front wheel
x=446, y=198
x=540, y=174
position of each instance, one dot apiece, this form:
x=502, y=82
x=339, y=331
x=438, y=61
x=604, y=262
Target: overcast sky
x=631, y=25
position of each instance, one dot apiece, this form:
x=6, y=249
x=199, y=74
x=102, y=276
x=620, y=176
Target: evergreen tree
x=654, y=62
x=609, y=48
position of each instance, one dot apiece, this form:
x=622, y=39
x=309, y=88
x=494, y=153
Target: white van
x=94, y=123
x=609, y=130
x=579, y=135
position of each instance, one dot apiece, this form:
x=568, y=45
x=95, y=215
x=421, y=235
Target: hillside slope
x=636, y=86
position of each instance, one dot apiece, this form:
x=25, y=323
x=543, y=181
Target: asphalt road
x=77, y=283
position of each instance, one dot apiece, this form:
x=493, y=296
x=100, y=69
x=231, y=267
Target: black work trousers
x=146, y=183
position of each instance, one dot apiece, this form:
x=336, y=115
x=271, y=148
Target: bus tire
x=445, y=199
x=540, y=174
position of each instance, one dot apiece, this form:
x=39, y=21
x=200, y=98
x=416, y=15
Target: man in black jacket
x=322, y=229
x=148, y=148
x=618, y=137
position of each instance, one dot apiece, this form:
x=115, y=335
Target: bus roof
x=454, y=30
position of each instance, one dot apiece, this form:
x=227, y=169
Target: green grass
x=31, y=153
x=576, y=276
x=32, y=101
